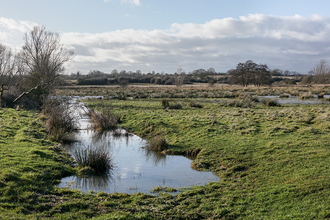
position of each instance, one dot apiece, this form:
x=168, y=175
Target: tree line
x=247, y=73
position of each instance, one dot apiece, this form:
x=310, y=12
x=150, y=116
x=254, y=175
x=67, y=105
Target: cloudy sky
x=163, y=35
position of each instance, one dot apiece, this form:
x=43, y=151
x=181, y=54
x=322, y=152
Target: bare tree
x=179, y=77
x=320, y=72
x=6, y=68
x=9, y=70
x=250, y=73
x=43, y=58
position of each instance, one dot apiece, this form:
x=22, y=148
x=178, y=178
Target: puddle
x=136, y=169
x=296, y=100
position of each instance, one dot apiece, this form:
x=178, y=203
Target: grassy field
x=274, y=162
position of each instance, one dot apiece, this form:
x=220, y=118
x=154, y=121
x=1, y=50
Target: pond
x=136, y=169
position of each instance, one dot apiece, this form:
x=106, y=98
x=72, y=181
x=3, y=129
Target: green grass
x=274, y=163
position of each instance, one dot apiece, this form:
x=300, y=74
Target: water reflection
x=155, y=157
x=137, y=169
x=294, y=100
x=95, y=183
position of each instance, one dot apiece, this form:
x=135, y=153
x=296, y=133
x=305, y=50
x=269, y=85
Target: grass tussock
x=306, y=95
x=167, y=105
x=158, y=144
x=195, y=105
x=284, y=96
x=246, y=101
x=102, y=121
x=270, y=102
x=98, y=159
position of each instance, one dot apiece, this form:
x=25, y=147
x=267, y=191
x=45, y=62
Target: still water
x=136, y=169
x=296, y=100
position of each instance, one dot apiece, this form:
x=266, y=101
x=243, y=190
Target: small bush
x=102, y=121
x=97, y=158
x=60, y=120
x=158, y=143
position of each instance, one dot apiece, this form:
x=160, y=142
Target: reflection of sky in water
x=136, y=169
x=295, y=100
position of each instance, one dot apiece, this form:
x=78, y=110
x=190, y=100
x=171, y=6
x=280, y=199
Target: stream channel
x=136, y=169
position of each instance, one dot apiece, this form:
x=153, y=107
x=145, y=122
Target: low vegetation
x=95, y=158
x=273, y=161
x=103, y=120
x=60, y=120
x=158, y=143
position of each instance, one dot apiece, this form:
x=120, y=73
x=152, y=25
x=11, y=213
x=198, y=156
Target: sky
x=159, y=35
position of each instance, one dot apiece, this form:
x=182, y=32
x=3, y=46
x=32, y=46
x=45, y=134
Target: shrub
x=101, y=121
x=61, y=121
x=158, y=143
x=97, y=158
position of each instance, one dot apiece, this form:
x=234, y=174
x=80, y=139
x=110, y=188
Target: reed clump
x=245, y=101
x=98, y=159
x=158, y=144
x=166, y=105
x=102, y=121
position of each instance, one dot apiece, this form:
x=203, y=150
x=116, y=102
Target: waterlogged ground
x=273, y=161
x=135, y=168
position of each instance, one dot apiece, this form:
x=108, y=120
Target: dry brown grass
x=102, y=121
x=158, y=144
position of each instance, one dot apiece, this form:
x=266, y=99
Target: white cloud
x=133, y=2
x=12, y=32
x=293, y=43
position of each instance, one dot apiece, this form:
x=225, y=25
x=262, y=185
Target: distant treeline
x=96, y=77
x=245, y=74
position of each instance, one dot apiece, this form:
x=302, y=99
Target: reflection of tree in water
x=115, y=135
x=156, y=157
x=95, y=183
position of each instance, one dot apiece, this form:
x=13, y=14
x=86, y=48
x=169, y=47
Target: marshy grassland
x=273, y=161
